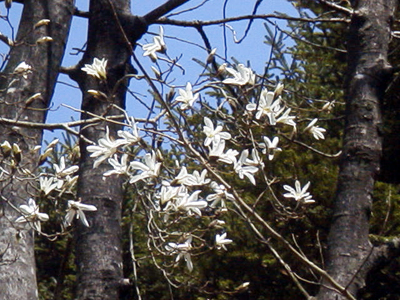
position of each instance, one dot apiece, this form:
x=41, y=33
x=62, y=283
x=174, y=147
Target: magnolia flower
x=266, y=106
x=197, y=178
x=187, y=97
x=119, y=167
x=221, y=241
x=167, y=193
x=255, y=161
x=286, y=119
x=328, y=106
x=270, y=146
x=191, y=179
x=31, y=214
x=77, y=208
x=217, y=150
x=181, y=177
x=149, y=169
x=299, y=194
x=190, y=203
x=242, y=169
x=97, y=68
x=23, y=69
x=279, y=89
x=62, y=171
x=242, y=76
x=6, y=148
x=214, y=134
x=105, y=149
x=183, y=251
x=47, y=184
x=317, y=132
x=130, y=138
x=158, y=45
x=220, y=195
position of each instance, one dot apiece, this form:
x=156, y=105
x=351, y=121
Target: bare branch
x=155, y=14
x=248, y=17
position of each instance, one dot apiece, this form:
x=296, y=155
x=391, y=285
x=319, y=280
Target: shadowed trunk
x=367, y=77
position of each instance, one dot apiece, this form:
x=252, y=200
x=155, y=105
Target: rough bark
x=17, y=265
x=98, y=248
x=367, y=77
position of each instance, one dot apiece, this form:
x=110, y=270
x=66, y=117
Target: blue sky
x=252, y=49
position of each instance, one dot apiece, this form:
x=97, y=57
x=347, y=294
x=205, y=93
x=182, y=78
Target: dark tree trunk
x=17, y=265
x=98, y=248
x=367, y=77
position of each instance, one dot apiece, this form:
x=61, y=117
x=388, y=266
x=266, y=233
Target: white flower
x=130, y=138
x=213, y=134
x=220, y=195
x=167, y=193
x=317, y=132
x=328, y=106
x=77, y=208
x=97, y=68
x=31, y=214
x=47, y=184
x=183, y=251
x=221, y=241
x=299, y=194
x=194, y=179
x=286, y=119
x=190, y=203
x=105, y=149
x=279, y=89
x=187, y=97
x=270, y=146
x=150, y=168
x=266, y=106
x=217, y=150
x=62, y=171
x=158, y=45
x=242, y=76
x=197, y=178
x=242, y=169
x=255, y=161
x=120, y=168
x=23, y=69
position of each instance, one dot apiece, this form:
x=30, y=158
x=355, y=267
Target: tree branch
x=155, y=14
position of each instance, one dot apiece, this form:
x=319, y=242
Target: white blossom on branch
x=31, y=215
x=298, y=193
x=158, y=45
x=182, y=251
x=97, y=68
x=221, y=241
x=266, y=106
x=317, y=132
x=106, y=148
x=150, y=168
x=241, y=76
x=270, y=147
x=76, y=208
x=186, y=97
x=213, y=134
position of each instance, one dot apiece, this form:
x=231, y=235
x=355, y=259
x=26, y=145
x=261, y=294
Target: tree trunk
x=367, y=77
x=17, y=265
x=98, y=248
